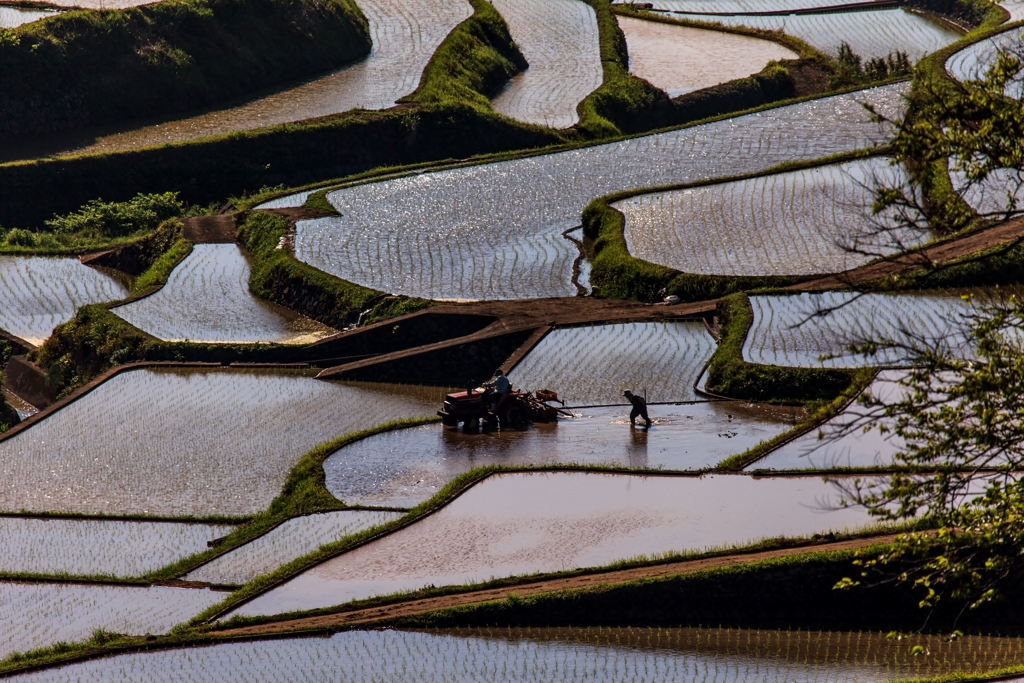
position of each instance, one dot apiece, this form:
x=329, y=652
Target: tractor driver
x=501, y=388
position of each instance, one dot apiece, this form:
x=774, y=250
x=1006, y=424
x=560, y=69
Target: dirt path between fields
x=415, y=607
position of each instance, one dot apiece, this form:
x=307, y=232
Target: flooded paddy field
x=793, y=223
x=207, y=299
x=12, y=17
x=601, y=655
x=514, y=524
x=738, y=6
x=188, y=441
x=873, y=33
x=593, y=365
x=974, y=61
x=494, y=231
x=37, y=293
x=560, y=41
x=679, y=59
x=20, y=405
x=840, y=442
x=786, y=331
x=35, y=615
x=90, y=547
x=405, y=34
x=406, y=467
x=293, y=539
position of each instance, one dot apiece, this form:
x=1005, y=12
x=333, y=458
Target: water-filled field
x=405, y=34
x=404, y=468
x=296, y=537
x=873, y=33
x=494, y=231
x=10, y=17
x=679, y=59
x=35, y=615
x=559, y=40
x=23, y=407
x=593, y=365
x=188, y=441
x=787, y=330
x=37, y=293
x=974, y=61
x=600, y=655
x=89, y=547
x=840, y=442
x=794, y=223
x=514, y=524
x=739, y=6
x=207, y=299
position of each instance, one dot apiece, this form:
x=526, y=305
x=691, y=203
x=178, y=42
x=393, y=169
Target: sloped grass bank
x=89, y=67
x=730, y=375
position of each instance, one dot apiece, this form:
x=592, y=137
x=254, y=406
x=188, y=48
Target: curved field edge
x=621, y=275
x=89, y=67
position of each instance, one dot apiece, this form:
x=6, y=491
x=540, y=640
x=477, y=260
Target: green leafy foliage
x=962, y=441
x=99, y=219
x=850, y=68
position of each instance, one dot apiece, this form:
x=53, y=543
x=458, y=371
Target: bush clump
x=99, y=219
x=851, y=69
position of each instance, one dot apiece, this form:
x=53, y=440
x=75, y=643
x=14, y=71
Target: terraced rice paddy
x=87, y=547
x=605, y=655
x=406, y=467
x=187, y=441
x=873, y=33
x=795, y=223
x=738, y=6
x=10, y=17
x=287, y=202
x=405, y=34
x=679, y=59
x=524, y=523
x=560, y=41
x=593, y=365
x=494, y=231
x=974, y=61
x=35, y=615
x=293, y=539
x=207, y=299
x=786, y=330
x=38, y=293
x=23, y=407
x=1015, y=8
x=840, y=442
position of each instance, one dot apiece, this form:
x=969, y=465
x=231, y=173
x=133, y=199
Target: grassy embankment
x=8, y=415
x=90, y=67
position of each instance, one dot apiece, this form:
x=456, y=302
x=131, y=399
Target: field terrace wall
x=87, y=68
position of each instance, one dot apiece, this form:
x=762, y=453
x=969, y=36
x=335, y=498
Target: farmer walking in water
x=639, y=408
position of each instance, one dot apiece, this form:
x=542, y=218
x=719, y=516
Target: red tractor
x=513, y=410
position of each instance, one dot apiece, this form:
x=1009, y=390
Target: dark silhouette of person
x=639, y=408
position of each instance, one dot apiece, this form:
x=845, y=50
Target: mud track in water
x=415, y=607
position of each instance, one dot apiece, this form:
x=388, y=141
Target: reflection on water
x=11, y=17
x=525, y=523
x=577, y=655
x=405, y=467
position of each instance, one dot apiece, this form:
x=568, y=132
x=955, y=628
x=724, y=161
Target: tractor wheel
x=512, y=417
x=471, y=426
x=449, y=421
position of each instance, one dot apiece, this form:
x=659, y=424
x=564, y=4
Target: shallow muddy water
x=786, y=331
x=494, y=231
x=89, y=547
x=37, y=293
x=35, y=615
x=734, y=6
x=188, y=441
x=514, y=524
x=403, y=468
x=601, y=655
x=840, y=442
x=293, y=539
x=559, y=39
x=794, y=223
x=405, y=34
x=593, y=365
x=870, y=34
x=207, y=299
x=11, y=17
x=679, y=59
